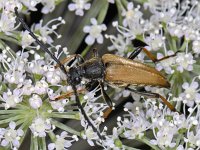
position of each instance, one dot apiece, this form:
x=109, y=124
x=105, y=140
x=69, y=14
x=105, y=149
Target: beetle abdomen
x=124, y=71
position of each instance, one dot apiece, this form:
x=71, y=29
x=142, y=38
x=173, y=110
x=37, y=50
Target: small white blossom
x=190, y=95
x=166, y=64
x=61, y=142
x=196, y=46
x=94, y=32
x=12, y=136
x=12, y=98
x=185, y=62
x=53, y=76
x=35, y=101
x=41, y=87
x=39, y=127
x=164, y=136
x=59, y=105
x=49, y=6
x=78, y=6
x=90, y=135
x=27, y=40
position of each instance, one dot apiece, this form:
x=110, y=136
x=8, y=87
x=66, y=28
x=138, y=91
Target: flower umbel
x=36, y=97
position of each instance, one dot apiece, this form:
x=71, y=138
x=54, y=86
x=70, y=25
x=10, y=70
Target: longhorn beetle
x=110, y=69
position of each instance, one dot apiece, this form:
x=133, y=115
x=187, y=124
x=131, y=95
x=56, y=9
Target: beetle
x=109, y=69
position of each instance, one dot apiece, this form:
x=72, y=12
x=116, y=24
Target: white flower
x=27, y=88
x=132, y=15
x=53, y=76
x=12, y=136
x=35, y=101
x=36, y=66
x=111, y=140
x=120, y=43
x=90, y=135
x=94, y=32
x=194, y=139
x=61, y=143
x=155, y=40
x=166, y=64
x=135, y=126
x=133, y=20
x=12, y=98
x=78, y=6
x=46, y=30
x=190, y=95
x=196, y=46
x=59, y=105
x=31, y=4
x=39, y=127
x=41, y=87
x=7, y=22
x=27, y=40
x=184, y=61
x=111, y=1
x=49, y=6
x=175, y=30
x=165, y=134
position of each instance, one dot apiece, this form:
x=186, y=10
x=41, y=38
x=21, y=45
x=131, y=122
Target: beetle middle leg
x=153, y=95
x=149, y=54
x=68, y=94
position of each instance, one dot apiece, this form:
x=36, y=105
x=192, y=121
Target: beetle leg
x=105, y=96
x=153, y=95
x=68, y=94
x=80, y=58
x=91, y=85
x=149, y=54
x=95, y=53
x=71, y=58
x=107, y=100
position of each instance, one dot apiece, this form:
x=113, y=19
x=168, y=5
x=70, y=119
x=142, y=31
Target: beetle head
x=74, y=77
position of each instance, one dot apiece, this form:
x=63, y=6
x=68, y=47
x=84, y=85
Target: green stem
x=65, y=115
x=130, y=148
x=85, y=51
x=64, y=127
x=183, y=46
x=103, y=12
x=43, y=143
x=119, y=9
x=11, y=111
x=52, y=136
x=174, y=44
x=35, y=141
x=10, y=39
x=11, y=119
x=146, y=141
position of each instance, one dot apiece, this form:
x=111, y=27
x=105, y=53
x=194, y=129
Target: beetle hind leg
x=149, y=54
x=154, y=95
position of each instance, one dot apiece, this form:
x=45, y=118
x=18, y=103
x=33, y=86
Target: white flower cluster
x=34, y=93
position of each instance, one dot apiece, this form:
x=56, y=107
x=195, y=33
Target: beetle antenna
x=45, y=49
x=84, y=114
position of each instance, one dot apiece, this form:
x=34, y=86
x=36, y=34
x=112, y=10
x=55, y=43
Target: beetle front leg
x=68, y=94
x=153, y=95
x=149, y=54
x=71, y=58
